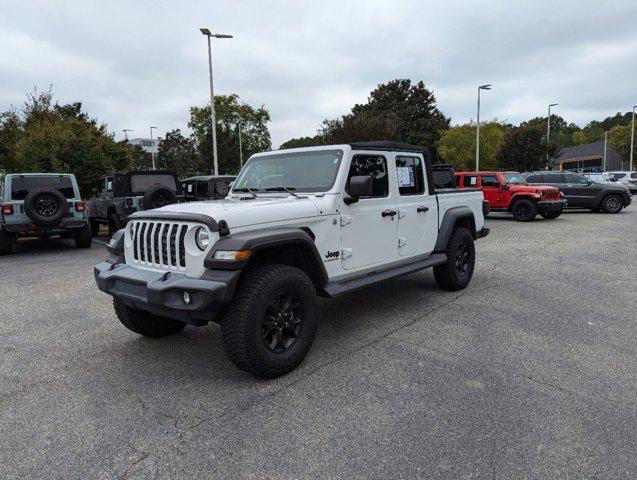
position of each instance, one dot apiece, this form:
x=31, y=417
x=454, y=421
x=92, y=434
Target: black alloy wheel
x=462, y=259
x=282, y=322
x=613, y=204
x=46, y=205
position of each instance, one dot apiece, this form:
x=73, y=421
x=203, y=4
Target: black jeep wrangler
x=120, y=194
x=206, y=187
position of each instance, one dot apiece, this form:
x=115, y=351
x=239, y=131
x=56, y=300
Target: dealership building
x=587, y=158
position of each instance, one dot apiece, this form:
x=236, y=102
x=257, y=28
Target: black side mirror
x=359, y=186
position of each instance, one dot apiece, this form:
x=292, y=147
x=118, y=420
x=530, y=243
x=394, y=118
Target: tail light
x=7, y=209
x=80, y=206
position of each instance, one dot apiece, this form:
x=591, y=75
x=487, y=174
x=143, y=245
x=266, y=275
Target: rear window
x=22, y=186
x=140, y=183
x=633, y=175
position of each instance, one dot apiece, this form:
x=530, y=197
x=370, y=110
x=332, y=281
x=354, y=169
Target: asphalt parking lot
x=531, y=372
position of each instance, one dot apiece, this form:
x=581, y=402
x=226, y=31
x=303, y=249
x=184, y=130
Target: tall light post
x=213, y=122
x=632, y=138
x=126, y=130
x=240, y=148
x=152, y=153
x=481, y=87
x=548, y=132
x=605, y=144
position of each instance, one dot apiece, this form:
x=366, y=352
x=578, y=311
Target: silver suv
x=625, y=178
x=41, y=205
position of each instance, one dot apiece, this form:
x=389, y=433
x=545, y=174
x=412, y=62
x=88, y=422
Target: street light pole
x=632, y=138
x=213, y=122
x=152, y=153
x=126, y=130
x=481, y=87
x=548, y=132
x=605, y=143
x=240, y=148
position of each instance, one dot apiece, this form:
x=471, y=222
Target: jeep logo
x=332, y=256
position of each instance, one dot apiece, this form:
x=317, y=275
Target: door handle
x=422, y=209
x=388, y=213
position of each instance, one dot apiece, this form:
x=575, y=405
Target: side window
x=469, y=181
x=109, y=184
x=489, y=181
x=577, y=179
x=374, y=165
x=617, y=176
x=118, y=185
x=410, y=177
x=633, y=175
x=536, y=179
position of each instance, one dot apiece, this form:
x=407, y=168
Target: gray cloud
x=136, y=64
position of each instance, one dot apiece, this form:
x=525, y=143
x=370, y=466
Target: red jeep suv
x=509, y=192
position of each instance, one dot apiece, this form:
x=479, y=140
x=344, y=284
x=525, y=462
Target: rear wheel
x=456, y=272
x=95, y=227
x=145, y=323
x=84, y=238
x=551, y=215
x=524, y=210
x=270, y=325
x=612, y=204
x=6, y=243
x=113, y=225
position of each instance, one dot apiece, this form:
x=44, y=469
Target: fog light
x=186, y=297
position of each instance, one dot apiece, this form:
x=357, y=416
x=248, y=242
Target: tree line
x=407, y=112
x=45, y=136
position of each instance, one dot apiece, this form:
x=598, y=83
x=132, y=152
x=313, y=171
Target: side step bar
x=334, y=289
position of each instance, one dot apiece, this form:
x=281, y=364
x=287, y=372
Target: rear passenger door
x=581, y=193
x=416, y=207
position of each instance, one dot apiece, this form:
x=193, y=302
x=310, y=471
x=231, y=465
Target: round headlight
x=203, y=238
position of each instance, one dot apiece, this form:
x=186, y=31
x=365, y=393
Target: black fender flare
x=259, y=240
x=448, y=223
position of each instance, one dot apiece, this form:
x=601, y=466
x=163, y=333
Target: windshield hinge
x=345, y=220
x=402, y=242
x=346, y=253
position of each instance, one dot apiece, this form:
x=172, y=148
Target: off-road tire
x=95, y=227
x=551, y=215
x=612, y=204
x=83, y=237
x=158, y=196
x=241, y=322
x=145, y=323
x=448, y=275
x=6, y=243
x=113, y=225
x=35, y=211
x=524, y=210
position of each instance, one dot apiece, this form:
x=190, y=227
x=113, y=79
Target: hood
x=531, y=188
x=239, y=213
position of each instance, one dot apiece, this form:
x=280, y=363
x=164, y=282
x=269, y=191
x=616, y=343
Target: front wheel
x=524, y=210
x=612, y=204
x=145, y=323
x=6, y=243
x=551, y=215
x=270, y=325
x=457, y=271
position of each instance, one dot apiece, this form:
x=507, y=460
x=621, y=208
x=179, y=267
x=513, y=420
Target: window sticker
x=405, y=177
x=190, y=188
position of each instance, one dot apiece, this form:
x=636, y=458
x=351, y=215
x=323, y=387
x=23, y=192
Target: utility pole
x=605, y=144
x=126, y=130
x=240, y=148
x=632, y=139
x=548, y=133
x=481, y=87
x=152, y=152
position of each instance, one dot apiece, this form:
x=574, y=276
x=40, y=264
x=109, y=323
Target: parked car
x=121, y=194
x=582, y=192
x=341, y=218
x=206, y=187
x=599, y=177
x=41, y=205
x=508, y=192
x=626, y=178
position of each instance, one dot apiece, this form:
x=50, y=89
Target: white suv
x=297, y=224
x=626, y=178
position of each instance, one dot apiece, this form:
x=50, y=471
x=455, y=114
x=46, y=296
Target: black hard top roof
x=387, y=145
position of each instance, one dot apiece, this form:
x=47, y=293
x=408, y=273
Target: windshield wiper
x=247, y=190
x=283, y=189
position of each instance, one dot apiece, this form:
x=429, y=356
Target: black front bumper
x=552, y=205
x=162, y=293
x=27, y=229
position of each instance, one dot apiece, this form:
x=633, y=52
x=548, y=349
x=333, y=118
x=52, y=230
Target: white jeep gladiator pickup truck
x=297, y=224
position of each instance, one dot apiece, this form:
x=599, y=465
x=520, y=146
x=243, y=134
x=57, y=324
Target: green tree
x=578, y=138
x=524, y=148
x=229, y=112
x=619, y=139
x=561, y=131
x=140, y=158
x=11, y=130
x=177, y=153
x=457, y=145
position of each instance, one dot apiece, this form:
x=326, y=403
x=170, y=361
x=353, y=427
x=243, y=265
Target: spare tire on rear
x=45, y=206
x=158, y=196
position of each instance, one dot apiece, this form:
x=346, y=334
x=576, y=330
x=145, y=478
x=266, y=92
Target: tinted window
x=140, y=183
x=535, y=179
x=22, y=186
x=617, y=176
x=572, y=178
x=409, y=174
x=469, y=181
x=489, y=181
x=633, y=175
x=374, y=165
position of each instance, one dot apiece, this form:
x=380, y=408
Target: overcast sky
x=134, y=64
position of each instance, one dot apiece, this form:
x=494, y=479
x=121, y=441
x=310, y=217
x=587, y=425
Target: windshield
x=140, y=183
x=514, y=178
x=302, y=172
x=22, y=186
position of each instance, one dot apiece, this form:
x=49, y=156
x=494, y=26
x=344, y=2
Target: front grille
x=551, y=194
x=159, y=244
